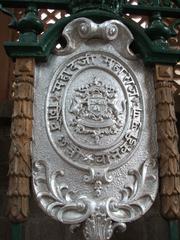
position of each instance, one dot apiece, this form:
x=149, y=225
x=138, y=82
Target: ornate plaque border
x=67, y=78
x=102, y=196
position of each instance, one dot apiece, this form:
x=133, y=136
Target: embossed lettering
x=58, y=86
x=73, y=66
x=54, y=126
x=53, y=111
x=95, y=111
x=127, y=79
x=117, y=68
x=109, y=61
x=136, y=112
x=132, y=90
x=61, y=141
x=86, y=60
x=72, y=150
x=136, y=125
x=64, y=76
x=102, y=159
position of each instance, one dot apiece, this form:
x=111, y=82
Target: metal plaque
x=94, y=136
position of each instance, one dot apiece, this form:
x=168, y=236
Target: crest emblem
x=97, y=110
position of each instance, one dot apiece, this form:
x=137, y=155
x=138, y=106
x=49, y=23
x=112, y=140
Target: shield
x=97, y=105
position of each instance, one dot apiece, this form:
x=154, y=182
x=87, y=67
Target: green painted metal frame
x=174, y=232
x=151, y=43
x=124, y=6
x=54, y=4
x=42, y=48
x=16, y=231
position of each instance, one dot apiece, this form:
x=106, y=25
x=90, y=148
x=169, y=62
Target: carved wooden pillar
x=21, y=135
x=169, y=161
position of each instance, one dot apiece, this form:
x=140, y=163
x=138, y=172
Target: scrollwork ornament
x=98, y=227
x=101, y=216
x=132, y=200
x=58, y=198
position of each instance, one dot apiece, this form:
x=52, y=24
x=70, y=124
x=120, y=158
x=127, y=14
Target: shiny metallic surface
x=94, y=144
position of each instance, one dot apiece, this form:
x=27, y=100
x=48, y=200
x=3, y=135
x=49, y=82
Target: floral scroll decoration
x=101, y=217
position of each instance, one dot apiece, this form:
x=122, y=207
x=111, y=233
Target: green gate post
x=16, y=231
x=174, y=230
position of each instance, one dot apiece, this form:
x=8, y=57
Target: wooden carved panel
x=21, y=135
x=169, y=161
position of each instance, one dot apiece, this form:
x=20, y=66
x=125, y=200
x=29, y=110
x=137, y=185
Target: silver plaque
x=94, y=136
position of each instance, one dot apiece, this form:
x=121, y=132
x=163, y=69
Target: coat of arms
x=97, y=110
